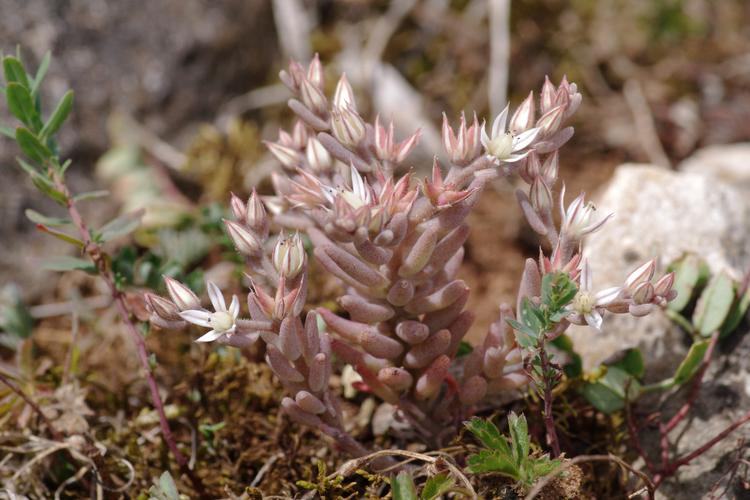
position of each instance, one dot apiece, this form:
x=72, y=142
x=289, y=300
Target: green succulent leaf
x=402, y=487
x=738, y=311
x=21, y=105
x=14, y=71
x=691, y=273
x=41, y=72
x=121, y=226
x=38, y=218
x=714, y=304
x=691, y=363
x=31, y=146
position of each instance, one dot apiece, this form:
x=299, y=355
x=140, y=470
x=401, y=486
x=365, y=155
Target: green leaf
x=489, y=435
x=41, y=73
x=525, y=336
x=557, y=290
x=738, y=311
x=492, y=461
x=59, y=115
x=437, y=485
x=543, y=466
x=17, y=320
x=631, y=362
x=607, y=394
x=31, y=145
x=14, y=71
x=66, y=263
x=464, y=349
x=691, y=363
x=402, y=487
x=91, y=195
x=690, y=274
x=519, y=437
x=21, y=105
x=573, y=368
x=714, y=304
x=60, y=235
x=38, y=218
x=121, y=226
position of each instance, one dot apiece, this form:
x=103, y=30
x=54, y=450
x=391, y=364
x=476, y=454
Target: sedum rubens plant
x=396, y=243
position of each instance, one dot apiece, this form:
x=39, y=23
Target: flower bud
x=523, y=118
x=547, y=99
x=644, y=273
x=318, y=157
x=182, y=296
x=643, y=293
x=299, y=135
x=343, y=97
x=289, y=256
x=664, y=285
x=540, y=195
x=238, y=208
x=348, y=126
x=315, y=72
x=286, y=155
x=256, y=217
x=313, y=97
x=550, y=168
x=163, y=308
x=550, y=122
x=244, y=240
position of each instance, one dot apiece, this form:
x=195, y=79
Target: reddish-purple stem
x=13, y=387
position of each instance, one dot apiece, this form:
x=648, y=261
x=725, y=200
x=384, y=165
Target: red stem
x=94, y=251
x=549, y=420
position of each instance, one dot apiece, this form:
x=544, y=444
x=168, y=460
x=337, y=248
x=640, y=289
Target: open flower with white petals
x=222, y=322
x=503, y=145
x=587, y=306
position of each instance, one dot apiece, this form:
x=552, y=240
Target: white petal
x=200, y=318
x=234, y=307
x=523, y=139
x=607, y=296
x=210, y=336
x=217, y=299
x=586, y=279
x=516, y=157
x=594, y=319
x=498, y=126
x=485, y=140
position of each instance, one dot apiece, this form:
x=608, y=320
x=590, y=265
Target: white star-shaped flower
x=505, y=146
x=223, y=321
x=587, y=307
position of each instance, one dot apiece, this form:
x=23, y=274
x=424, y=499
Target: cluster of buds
x=397, y=247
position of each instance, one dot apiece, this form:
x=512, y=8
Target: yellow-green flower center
x=221, y=321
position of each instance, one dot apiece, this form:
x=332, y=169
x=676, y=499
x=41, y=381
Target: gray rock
x=729, y=163
x=660, y=213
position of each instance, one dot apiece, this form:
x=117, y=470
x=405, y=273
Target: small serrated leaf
x=21, y=105
x=436, y=486
x=402, y=487
x=519, y=436
x=121, y=226
x=488, y=461
x=691, y=363
x=14, y=71
x=38, y=218
x=31, y=145
x=66, y=263
x=488, y=434
x=59, y=115
x=714, y=304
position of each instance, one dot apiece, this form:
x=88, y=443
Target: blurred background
x=173, y=97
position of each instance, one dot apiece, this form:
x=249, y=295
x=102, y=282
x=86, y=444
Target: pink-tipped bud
x=313, y=97
x=347, y=126
x=541, y=196
x=644, y=273
x=256, y=217
x=550, y=168
x=396, y=378
x=286, y=155
x=532, y=168
x=182, y=296
x=299, y=135
x=640, y=310
x=343, y=97
x=289, y=256
x=643, y=293
x=244, y=240
x=523, y=118
x=163, y=308
x=238, y=208
x=315, y=72
x=318, y=157
x=473, y=390
x=550, y=122
x=547, y=98
x=663, y=287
